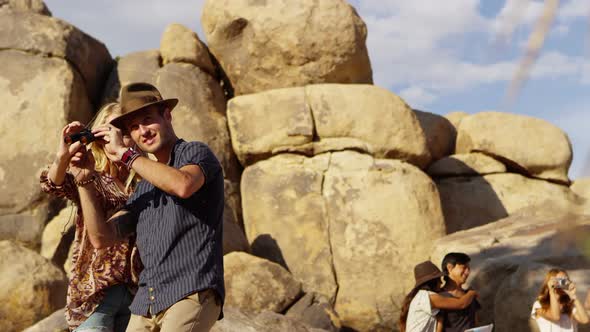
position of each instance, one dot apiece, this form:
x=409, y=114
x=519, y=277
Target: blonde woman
x=557, y=308
x=102, y=280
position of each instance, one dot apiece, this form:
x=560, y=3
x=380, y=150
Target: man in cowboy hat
x=176, y=213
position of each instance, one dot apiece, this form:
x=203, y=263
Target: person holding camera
x=456, y=270
x=176, y=212
x=102, y=280
x=421, y=308
x=558, y=308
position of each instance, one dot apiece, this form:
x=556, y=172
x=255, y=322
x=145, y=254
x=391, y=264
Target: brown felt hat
x=425, y=272
x=136, y=97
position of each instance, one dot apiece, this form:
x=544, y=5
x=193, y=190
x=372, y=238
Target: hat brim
x=428, y=278
x=168, y=103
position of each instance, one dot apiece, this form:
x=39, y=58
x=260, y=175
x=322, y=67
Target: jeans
x=112, y=314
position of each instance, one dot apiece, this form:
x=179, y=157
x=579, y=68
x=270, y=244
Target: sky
x=440, y=56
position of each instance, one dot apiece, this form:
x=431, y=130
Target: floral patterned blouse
x=94, y=270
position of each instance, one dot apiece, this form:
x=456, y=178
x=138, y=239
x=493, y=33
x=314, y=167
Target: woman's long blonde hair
x=103, y=164
x=566, y=303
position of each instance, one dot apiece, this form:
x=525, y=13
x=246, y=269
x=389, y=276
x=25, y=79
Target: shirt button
x=151, y=289
x=152, y=298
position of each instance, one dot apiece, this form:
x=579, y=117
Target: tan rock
x=32, y=6
x=134, y=67
x=56, y=322
x=456, y=117
x=362, y=112
x=180, y=44
x=465, y=165
x=234, y=238
x=316, y=311
x=582, y=188
x=511, y=257
x=58, y=236
x=200, y=113
x=469, y=202
x=440, y=134
x=25, y=227
x=53, y=94
x=256, y=284
x=32, y=287
x=377, y=209
x=262, y=122
x=266, y=45
x=349, y=209
x=236, y=320
x=51, y=37
x=532, y=146
x=285, y=218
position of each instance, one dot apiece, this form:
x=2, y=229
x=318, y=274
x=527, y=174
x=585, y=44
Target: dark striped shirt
x=179, y=240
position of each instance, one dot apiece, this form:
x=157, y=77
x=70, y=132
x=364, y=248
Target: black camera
x=85, y=136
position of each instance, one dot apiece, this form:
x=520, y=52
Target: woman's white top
x=565, y=324
x=421, y=315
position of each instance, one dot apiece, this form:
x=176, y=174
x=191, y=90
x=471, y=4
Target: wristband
x=93, y=178
x=129, y=156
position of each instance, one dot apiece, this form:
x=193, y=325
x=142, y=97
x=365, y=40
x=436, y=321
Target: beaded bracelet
x=93, y=178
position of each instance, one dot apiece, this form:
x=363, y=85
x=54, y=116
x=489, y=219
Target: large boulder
x=234, y=238
x=134, y=67
x=285, y=218
x=376, y=210
x=56, y=322
x=50, y=37
x=474, y=201
x=32, y=287
x=343, y=216
x=511, y=257
x=468, y=164
x=264, y=122
x=440, y=134
x=316, y=311
x=180, y=44
x=236, y=320
x=326, y=117
x=34, y=6
x=582, y=188
x=58, y=236
x=50, y=93
x=256, y=284
x=264, y=45
x=528, y=145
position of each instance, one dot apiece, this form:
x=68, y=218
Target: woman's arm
x=580, y=314
x=452, y=303
x=57, y=170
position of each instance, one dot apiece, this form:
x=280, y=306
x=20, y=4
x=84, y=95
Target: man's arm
x=183, y=182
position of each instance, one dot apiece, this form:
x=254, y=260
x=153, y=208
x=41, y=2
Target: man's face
x=148, y=129
x=459, y=273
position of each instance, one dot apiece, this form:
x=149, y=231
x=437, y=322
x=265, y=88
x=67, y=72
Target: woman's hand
x=571, y=291
x=64, y=149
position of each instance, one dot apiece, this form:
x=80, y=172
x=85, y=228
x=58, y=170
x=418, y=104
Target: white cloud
x=514, y=14
x=574, y=9
x=417, y=97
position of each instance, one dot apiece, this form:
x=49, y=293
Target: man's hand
x=113, y=137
